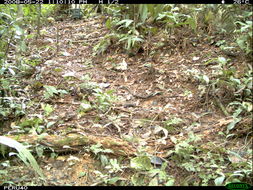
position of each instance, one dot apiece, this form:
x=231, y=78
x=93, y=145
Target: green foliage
x=155, y=9
x=33, y=124
x=126, y=32
x=12, y=102
x=160, y=175
x=131, y=40
x=126, y=23
x=171, y=123
x=98, y=149
x=104, y=43
x=210, y=166
x=147, y=174
x=114, y=166
x=245, y=39
x=85, y=106
x=13, y=98
x=104, y=99
x=48, y=109
x=4, y=172
x=141, y=163
x=100, y=152
x=106, y=178
x=173, y=19
x=23, y=154
x=184, y=149
x=51, y=91
x=226, y=79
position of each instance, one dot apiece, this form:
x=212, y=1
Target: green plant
x=173, y=19
x=23, y=154
x=147, y=174
x=241, y=169
x=208, y=164
x=13, y=97
x=4, y=173
x=85, y=106
x=237, y=88
x=245, y=39
x=187, y=155
x=132, y=41
x=132, y=37
x=51, y=91
x=32, y=124
x=100, y=152
x=104, y=43
x=48, y=109
x=104, y=99
x=173, y=121
x=105, y=178
x=98, y=149
x=114, y=167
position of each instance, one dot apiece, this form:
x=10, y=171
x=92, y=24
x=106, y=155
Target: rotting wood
x=76, y=142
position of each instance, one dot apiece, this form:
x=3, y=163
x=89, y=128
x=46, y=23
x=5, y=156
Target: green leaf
x=50, y=91
x=137, y=179
x=153, y=182
x=222, y=60
x=127, y=22
x=247, y=106
x=51, y=123
x=48, y=109
x=237, y=81
x=232, y=124
x=151, y=9
x=219, y=180
x=141, y=163
x=4, y=14
x=104, y=160
x=170, y=182
x=19, y=31
x=241, y=43
x=33, y=122
x=206, y=79
x=85, y=106
x=143, y=12
x=97, y=148
x=12, y=71
x=113, y=180
x=108, y=23
x=23, y=46
x=62, y=92
x=24, y=154
x=82, y=174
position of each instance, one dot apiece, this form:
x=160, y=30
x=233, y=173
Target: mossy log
x=76, y=142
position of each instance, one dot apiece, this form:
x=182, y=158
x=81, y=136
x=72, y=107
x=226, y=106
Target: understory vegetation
x=140, y=94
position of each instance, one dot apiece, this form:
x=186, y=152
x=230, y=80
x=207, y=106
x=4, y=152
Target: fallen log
x=77, y=142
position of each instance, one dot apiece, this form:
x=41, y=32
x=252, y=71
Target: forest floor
x=152, y=92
